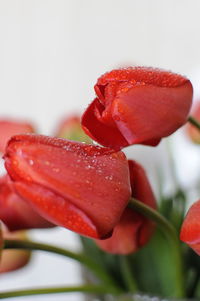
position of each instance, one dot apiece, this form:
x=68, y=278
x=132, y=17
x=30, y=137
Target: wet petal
x=89, y=179
x=15, y=212
x=139, y=105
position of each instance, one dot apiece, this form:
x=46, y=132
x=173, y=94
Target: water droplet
x=31, y=162
x=110, y=177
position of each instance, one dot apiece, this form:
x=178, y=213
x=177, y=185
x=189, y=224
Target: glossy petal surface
x=82, y=187
x=134, y=230
x=190, y=231
x=137, y=106
x=15, y=212
x=10, y=128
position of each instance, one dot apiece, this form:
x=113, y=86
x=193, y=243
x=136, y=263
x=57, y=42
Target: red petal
x=124, y=239
x=141, y=188
x=57, y=209
x=15, y=213
x=94, y=180
x=134, y=230
x=146, y=112
x=107, y=135
x=11, y=128
x=190, y=231
x=142, y=75
x=142, y=191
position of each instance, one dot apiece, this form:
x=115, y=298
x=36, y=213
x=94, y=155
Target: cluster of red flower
x=84, y=187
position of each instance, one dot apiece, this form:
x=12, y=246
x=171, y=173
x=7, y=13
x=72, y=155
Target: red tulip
x=137, y=106
x=10, y=128
x=15, y=212
x=190, y=230
x=134, y=230
x=12, y=260
x=193, y=132
x=84, y=188
x=70, y=128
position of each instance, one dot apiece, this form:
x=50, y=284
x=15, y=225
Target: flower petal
x=190, y=230
x=107, y=135
x=133, y=230
x=9, y=128
x=15, y=212
x=89, y=179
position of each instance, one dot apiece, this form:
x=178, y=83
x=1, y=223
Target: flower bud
x=137, y=106
x=82, y=187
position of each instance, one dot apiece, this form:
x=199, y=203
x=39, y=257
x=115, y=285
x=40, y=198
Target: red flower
x=15, y=212
x=193, y=132
x=70, y=128
x=134, y=230
x=11, y=128
x=190, y=231
x=137, y=106
x=82, y=187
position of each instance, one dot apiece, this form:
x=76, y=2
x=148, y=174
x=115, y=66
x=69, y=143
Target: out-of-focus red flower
x=193, y=132
x=190, y=230
x=10, y=128
x=134, y=230
x=12, y=260
x=70, y=128
x=137, y=106
x=15, y=212
x=82, y=187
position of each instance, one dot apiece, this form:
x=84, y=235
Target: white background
x=52, y=52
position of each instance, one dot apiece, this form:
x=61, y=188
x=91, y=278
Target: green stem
x=93, y=266
x=92, y=289
x=156, y=217
x=172, y=236
x=192, y=289
x=194, y=122
x=128, y=277
x=172, y=163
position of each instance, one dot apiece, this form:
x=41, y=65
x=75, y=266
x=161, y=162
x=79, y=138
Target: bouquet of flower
x=130, y=240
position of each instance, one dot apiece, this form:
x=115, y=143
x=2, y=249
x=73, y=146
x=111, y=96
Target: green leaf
x=173, y=208
x=109, y=262
x=154, y=267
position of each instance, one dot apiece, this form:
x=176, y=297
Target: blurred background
x=52, y=52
